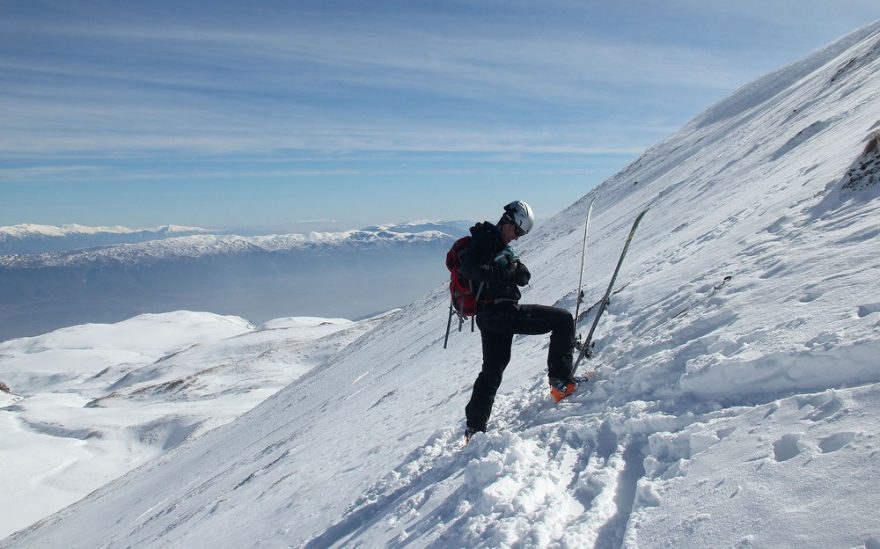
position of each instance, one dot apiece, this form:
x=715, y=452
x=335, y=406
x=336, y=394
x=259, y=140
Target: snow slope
x=92, y=402
x=736, y=391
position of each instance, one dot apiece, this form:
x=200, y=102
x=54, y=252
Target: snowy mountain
x=197, y=246
x=350, y=274
x=452, y=228
x=34, y=239
x=736, y=393
x=42, y=240
x=89, y=403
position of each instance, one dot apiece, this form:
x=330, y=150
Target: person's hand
x=521, y=274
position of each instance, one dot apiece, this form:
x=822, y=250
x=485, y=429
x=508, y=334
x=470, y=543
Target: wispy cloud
x=117, y=97
x=340, y=86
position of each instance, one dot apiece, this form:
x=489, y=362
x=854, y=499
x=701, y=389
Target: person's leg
x=560, y=356
x=540, y=319
x=496, y=355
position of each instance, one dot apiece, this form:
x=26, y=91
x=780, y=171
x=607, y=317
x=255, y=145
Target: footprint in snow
x=787, y=447
x=835, y=442
x=869, y=309
x=824, y=410
x=810, y=297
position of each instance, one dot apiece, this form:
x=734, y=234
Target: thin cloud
x=165, y=92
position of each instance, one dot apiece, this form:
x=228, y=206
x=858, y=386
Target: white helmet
x=521, y=215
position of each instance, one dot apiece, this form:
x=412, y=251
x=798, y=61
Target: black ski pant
x=497, y=328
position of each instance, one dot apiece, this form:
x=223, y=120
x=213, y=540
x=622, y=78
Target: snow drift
x=735, y=402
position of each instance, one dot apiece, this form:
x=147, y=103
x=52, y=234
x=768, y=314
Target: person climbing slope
x=492, y=265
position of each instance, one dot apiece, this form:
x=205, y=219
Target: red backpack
x=464, y=298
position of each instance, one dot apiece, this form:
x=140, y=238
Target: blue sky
x=274, y=113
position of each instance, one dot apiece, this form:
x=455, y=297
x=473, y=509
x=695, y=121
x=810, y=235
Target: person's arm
x=477, y=262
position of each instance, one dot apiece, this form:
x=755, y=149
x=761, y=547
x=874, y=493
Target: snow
x=72, y=244
x=29, y=238
x=28, y=230
x=735, y=393
x=92, y=402
x=454, y=228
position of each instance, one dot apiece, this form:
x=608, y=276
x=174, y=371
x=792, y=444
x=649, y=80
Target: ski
x=586, y=347
x=580, y=290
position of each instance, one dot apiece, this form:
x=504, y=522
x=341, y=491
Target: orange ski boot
x=560, y=389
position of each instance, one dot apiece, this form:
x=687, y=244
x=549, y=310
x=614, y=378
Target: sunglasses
x=517, y=230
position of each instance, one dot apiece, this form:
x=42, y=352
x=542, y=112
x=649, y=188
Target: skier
x=493, y=266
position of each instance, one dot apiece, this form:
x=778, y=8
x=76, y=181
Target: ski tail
x=580, y=296
x=587, y=345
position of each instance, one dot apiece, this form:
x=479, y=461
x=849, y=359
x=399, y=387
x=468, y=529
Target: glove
x=507, y=259
x=521, y=275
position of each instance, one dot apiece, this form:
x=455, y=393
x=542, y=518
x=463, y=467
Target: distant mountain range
x=349, y=274
x=453, y=228
x=32, y=239
x=28, y=239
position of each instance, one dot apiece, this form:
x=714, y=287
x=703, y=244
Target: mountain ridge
x=194, y=246
x=260, y=277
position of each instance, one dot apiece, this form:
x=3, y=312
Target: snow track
x=565, y=477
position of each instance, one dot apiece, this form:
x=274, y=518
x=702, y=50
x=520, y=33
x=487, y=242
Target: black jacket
x=499, y=278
